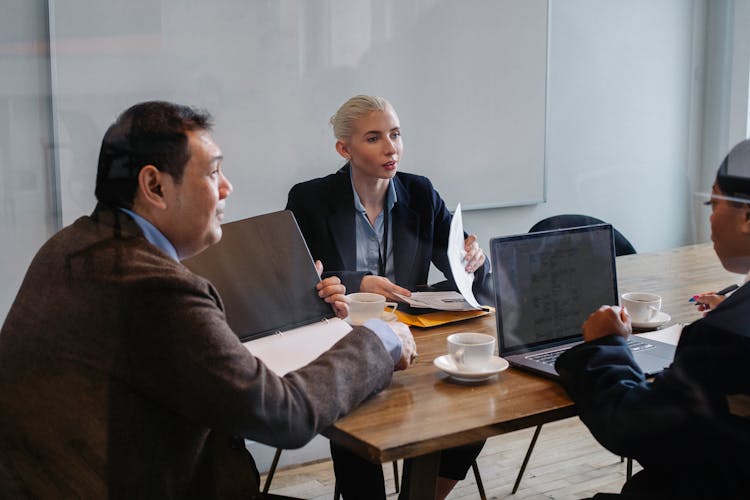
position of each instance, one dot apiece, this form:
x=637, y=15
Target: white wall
x=624, y=113
x=726, y=87
x=28, y=212
x=272, y=77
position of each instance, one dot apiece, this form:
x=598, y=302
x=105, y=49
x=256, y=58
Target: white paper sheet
x=669, y=335
x=287, y=351
x=463, y=300
x=456, y=258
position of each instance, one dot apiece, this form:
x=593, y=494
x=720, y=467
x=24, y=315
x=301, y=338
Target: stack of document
x=442, y=301
x=447, y=307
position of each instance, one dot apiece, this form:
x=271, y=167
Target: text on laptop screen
x=548, y=283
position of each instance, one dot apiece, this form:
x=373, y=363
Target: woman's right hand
x=709, y=300
x=382, y=286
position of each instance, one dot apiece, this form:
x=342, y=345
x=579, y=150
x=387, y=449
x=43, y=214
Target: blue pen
x=723, y=291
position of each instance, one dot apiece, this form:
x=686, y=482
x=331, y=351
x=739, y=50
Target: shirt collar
x=390, y=196
x=153, y=235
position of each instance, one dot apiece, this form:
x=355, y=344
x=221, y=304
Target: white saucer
x=389, y=317
x=655, y=322
x=446, y=364
x=385, y=317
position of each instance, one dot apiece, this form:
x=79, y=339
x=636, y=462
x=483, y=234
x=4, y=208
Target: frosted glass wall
x=28, y=213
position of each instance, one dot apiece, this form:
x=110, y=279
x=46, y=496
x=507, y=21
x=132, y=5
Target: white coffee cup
x=642, y=306
x=364, y=306
x=471, y=352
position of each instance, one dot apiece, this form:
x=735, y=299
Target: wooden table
x=676, y=275
x=424, y=411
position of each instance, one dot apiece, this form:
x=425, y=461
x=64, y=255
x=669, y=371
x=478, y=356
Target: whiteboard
x=467, y=79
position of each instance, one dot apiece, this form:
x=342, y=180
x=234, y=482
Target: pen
x=723, y=291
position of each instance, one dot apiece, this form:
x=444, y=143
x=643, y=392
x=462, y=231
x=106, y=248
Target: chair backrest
x=622, y=245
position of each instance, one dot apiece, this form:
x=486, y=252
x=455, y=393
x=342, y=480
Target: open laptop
x=265, y=276
x=547, y=284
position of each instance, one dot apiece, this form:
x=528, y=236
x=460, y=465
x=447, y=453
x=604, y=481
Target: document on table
x=444, y=301
x=463, y=300
x=284, y=352
x=669, y=335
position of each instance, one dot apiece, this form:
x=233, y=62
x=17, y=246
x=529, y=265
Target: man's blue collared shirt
x=153, y=235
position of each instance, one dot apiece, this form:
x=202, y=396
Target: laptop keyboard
x=549, y=357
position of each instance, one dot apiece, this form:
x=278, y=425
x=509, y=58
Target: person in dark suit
x=689, y=427
x=119, y=376
x=378, y=230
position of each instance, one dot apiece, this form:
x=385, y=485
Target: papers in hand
x=457, y=259
x=463, y=300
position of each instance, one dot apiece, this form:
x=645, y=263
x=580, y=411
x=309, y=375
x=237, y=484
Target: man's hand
x=474, y=255
x=408, y=347
x=332, y=291
x=607, y=320
x=382, y=286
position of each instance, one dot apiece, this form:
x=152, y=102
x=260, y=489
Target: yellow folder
x=440, y=317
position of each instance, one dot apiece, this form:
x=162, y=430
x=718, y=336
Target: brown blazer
x=119, y=376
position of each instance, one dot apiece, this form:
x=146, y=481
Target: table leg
x=420, y=477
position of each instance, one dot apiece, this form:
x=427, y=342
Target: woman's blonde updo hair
x=354, y=109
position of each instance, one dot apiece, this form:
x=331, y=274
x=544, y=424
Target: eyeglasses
x=714, y=196
x=713, y=199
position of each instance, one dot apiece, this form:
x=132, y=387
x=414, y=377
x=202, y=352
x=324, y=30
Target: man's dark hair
x=149, y=133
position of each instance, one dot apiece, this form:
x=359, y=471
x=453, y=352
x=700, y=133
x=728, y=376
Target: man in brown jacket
x=119, y=376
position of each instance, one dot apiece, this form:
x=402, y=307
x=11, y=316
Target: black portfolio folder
x=265, y=275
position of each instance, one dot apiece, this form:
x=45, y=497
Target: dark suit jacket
x=689, y=428
x=324, y=209
x=119, y=377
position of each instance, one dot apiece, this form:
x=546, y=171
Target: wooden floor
x=567, y=463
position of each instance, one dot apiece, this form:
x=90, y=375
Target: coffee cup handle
x=394, y=305
x=653, y=311
x=458, y=357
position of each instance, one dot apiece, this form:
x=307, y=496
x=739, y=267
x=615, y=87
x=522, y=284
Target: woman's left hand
x=474, y=254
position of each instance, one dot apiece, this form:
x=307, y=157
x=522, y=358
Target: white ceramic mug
x=642, y=306
x=364, y=306
x=471, y=352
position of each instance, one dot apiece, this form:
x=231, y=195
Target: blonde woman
x=378, y=230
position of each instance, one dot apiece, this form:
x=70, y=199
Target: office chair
x=622, y=247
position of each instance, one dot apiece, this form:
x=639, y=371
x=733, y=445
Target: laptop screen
x=547, y=284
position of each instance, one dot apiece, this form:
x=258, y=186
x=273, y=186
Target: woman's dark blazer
x=324, y=209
